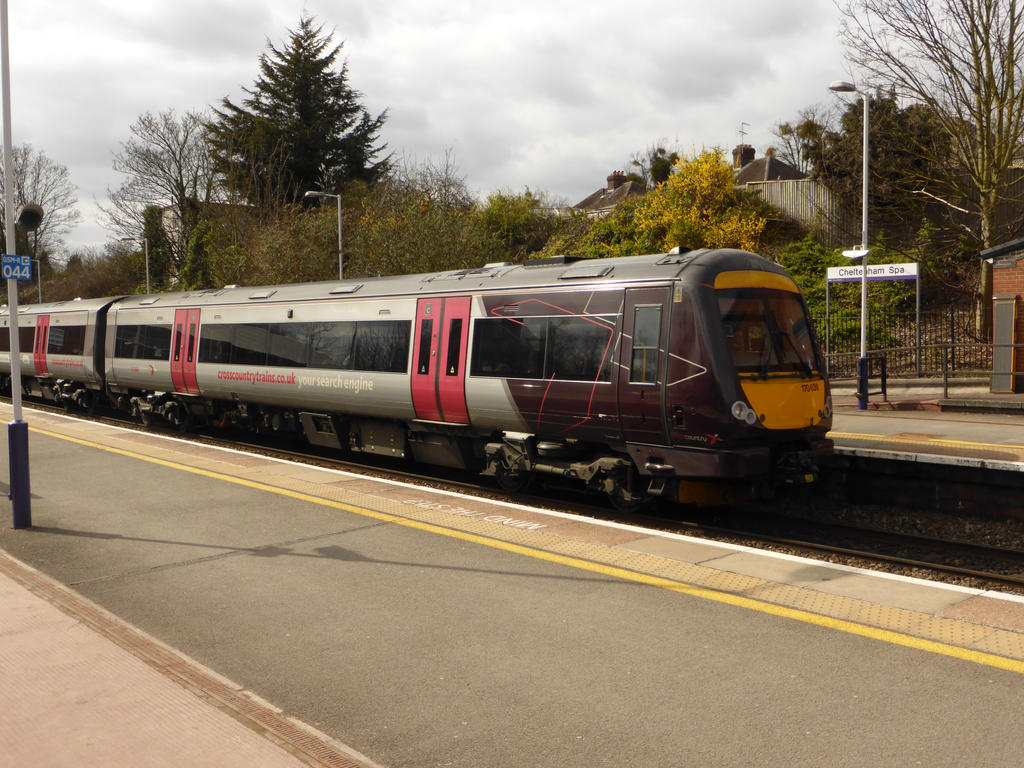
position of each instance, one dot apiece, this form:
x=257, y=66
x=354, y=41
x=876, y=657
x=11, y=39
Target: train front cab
x=778, y=408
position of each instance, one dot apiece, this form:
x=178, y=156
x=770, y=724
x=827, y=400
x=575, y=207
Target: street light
x=842, y=86
x=316, y=194
x=17, y=430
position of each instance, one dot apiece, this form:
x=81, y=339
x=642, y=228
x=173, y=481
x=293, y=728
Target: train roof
x=698, y=266
x=54, y=307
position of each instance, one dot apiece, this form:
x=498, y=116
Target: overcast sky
x=548, y=95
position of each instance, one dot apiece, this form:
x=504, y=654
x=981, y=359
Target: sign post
x=855, y=273
x=17, y=432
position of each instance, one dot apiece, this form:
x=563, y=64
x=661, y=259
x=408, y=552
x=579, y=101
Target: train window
x=249, y=344
x=289, y=344
x=643, y=368
x=332, y=345
x=26, y=338
x=767, y=331
x=177, y=342
x=142, y=342
x=382, y=345
x=563, y=348
x=154, y=342
x=423, y=361
x=215, y=343
x=190, y=356
x=512, y=349
x=579, y=349
x=365, y=346
x=66, y=340
x=451, y=365
x=125, y=341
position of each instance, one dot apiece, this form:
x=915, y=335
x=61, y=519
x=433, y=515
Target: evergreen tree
x=301, y=126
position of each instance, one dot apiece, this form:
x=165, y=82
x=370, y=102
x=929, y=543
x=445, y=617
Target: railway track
x=972, y=563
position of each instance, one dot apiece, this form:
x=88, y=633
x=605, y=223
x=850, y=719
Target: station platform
x=971, y=395
x=920, y=421
x=187, y=605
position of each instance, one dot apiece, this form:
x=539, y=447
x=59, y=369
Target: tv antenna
x=743, y=132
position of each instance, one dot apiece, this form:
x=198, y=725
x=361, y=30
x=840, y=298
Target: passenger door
x=642, y=360
x=439, y=359
x=184, y=348
x=39, y=345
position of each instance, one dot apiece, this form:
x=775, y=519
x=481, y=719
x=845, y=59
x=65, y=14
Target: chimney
x=743, y=154
x=616, y=180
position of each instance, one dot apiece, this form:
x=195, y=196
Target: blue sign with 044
x=16, y=267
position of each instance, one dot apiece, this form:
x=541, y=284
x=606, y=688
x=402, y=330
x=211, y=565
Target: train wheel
x=511, y=482
x=141, y=417
x=629, y=504
x=180, y=417
x=623, y=496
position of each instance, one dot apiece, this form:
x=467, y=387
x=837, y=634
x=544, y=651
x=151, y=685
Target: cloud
x=550, y=96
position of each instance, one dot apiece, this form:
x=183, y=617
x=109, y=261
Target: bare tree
x=796, y=139
x=962, y=59
x=38, y=179
x=167, y=164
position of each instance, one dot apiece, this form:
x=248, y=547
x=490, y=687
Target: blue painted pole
x=862, y=384
x=21, y=494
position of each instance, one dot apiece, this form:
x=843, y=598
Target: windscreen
x=767, y=332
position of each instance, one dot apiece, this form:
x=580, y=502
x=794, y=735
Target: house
x=619, y=188
x=747, y=169
x=789, y=190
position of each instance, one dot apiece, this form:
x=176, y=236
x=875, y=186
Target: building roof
x=1011, y=247
x=609, y=198
x=767, y=169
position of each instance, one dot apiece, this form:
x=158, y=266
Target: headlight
x=743, y=412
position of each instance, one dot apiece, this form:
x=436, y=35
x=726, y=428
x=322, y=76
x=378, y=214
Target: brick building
x=1007, y=315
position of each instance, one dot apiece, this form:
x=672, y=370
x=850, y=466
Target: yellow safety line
x=840, y=625
x=916, y=439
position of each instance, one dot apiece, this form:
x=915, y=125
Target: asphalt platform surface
x=418, y=644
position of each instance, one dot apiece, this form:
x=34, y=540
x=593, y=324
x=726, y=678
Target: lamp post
x=17, y=430
x=842, y=86
x=317, y=194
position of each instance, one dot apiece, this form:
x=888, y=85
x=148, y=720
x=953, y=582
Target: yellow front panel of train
x=786, y=403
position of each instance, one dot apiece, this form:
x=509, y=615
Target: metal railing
x=944, y=344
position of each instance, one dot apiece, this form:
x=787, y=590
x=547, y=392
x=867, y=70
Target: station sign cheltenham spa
x=875, y=272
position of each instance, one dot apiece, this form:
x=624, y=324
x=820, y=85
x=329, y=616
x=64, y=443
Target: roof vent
x=343, y=289
x=586, y=270
x=551, y=261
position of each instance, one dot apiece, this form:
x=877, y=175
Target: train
x=692, y=376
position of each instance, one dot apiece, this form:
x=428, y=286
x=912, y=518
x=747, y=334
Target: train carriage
x=689, y=375
x=61, y=348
